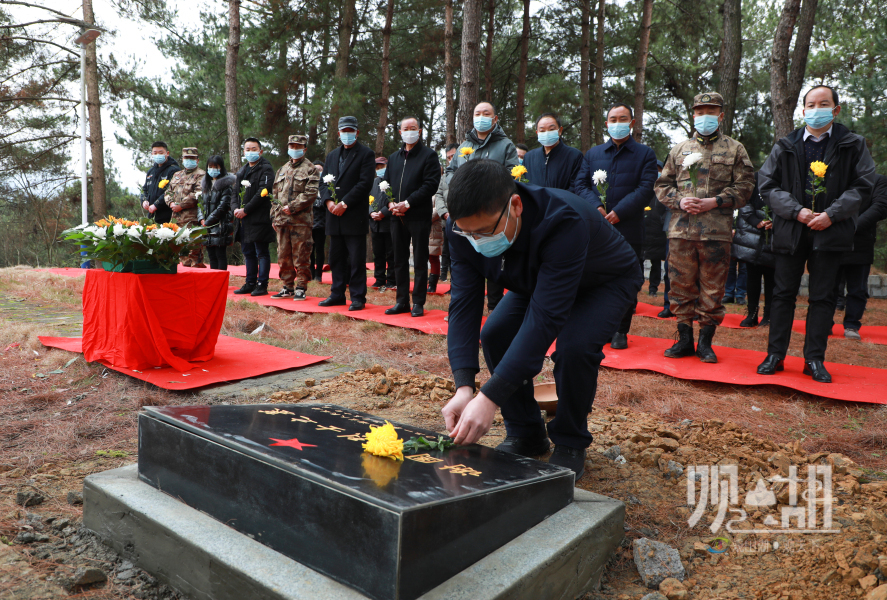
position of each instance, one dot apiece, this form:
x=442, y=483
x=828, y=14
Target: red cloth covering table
x=146, y=321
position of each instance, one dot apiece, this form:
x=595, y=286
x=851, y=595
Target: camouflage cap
x=190, y=152
x=298, y=139
x=708, y=99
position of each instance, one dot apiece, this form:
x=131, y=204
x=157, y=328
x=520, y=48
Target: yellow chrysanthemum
x=518, y=171
x=264, y=192
x=372, y=199
x=647, y=208
x=466, y=151
x=818, y=168
x=162, y=183
x=383, y=441
x=151, y=227
x=172, y=226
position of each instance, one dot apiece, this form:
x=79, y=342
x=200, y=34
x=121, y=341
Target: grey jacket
x=496, y=146
x=440, y=198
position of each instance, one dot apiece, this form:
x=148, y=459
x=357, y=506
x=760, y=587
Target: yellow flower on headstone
x=383, y=441
x=818, y=168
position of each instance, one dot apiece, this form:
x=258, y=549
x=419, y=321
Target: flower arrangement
x=383, y=441
x=466, y=151
x=599, y=178
x=691, y=163
x=518, y=173
x=120, y=242
x=819, y=168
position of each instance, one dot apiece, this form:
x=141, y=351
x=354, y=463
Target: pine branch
x=28, y=39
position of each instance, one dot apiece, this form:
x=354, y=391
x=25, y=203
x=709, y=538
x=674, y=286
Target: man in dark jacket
x=254, y=211
x=380, y=231
x=554, y=164
x=630, y=174
x=318, y=232
x=153, y=191
x=855, y=265
x=412, y=176
x=812, y=229
x=570, y=276
x=345, y=191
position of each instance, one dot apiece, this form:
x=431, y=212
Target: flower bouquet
x=135, y=246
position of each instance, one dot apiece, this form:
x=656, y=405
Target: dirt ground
x=76, y=418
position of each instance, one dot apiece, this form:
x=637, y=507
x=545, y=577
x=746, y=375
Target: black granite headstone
x=296, y=478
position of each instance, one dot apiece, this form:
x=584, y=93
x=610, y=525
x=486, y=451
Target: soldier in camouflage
x=182, y=195
x=294, y=192
x=701, y=226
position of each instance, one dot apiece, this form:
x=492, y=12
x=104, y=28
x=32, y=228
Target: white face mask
x=409, y=136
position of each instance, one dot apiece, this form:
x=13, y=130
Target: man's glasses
x=476, y=235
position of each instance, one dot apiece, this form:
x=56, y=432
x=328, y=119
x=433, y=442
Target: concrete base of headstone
x=561, y=558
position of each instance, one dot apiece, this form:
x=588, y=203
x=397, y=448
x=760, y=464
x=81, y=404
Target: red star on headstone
x=293, y=443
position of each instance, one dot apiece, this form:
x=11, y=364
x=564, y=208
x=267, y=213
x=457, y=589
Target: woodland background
x=269, y=68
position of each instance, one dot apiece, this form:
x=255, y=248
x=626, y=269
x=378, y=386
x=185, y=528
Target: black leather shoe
x=666, y=313
x=398, y=309
x=619, y=341
x=816, y=369
x=356, y=305
x=331, y=302
x=770, y=365
x=418, y=310
x=728, y=300
x=572, y=458
x=246, y=288
x=530, y=447
x=261, y=290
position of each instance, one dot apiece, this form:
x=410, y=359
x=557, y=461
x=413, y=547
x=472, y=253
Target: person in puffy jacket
x=215, y=212
x=751, y=244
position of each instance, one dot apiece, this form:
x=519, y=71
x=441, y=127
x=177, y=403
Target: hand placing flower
x=599, y=178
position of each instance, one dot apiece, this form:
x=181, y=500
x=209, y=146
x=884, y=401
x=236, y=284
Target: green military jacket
x=725, y=171
x=184, y=189
x=295, y=186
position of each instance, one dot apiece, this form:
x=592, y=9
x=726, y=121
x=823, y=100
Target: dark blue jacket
x=565, y=249
x=557, y=169
x=631, y=173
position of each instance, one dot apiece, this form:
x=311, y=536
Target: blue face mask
x=548, y=138
x=213, y=172
x=618, y=131
x=706, y=124
x=380, y=172
x=817, y=118
x=189, y=163
x=158, y=159
x=494, y=245
x=252, y=156
x=348, y=137
x=295, y=154
x=483, y=124
x=520, y=161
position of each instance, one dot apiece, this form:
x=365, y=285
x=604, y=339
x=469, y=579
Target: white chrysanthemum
x=328, y=179
x=692, y=159
x=99, y=232
x=164, y=233
x=119, y=230
x=246, y=183
x=599, y=177
x=384, y=185
x=135, y=232
x=183, y=232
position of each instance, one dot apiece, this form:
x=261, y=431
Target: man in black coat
x=554, y=164
x=413, y=175
x=812, y=229
x=855, y=265
x=254, y=211
x=152, y=193
x=345, y=190
x=380, y=231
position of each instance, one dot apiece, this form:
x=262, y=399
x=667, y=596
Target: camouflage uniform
x=184, y=189
x=295, y=186
x=699, y=245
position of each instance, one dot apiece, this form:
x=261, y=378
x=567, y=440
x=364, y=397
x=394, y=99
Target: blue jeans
x=737, y=279
x=258, y=262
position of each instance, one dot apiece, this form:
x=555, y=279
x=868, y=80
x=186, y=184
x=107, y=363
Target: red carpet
x=235, y=359
x=875, y=334
x=738, y=367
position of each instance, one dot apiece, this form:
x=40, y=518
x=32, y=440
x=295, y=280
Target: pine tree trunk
x=519, y=125
x=342, y=56
x=471, y=11
x=785, y=85
x=640, y=71
x=585, y=78
x=599, y=77
x=93, y=106
x=321, y=72
x=449, y=73
x=488, y=63
x=231, y=114
x=386, y=80
x=731, y=56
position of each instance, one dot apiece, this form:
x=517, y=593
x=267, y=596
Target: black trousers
x=755, y=274
x=348, y=257
x=625, y=323
x=318, y=251
x=402, y=233
x=666, y=283
x=823, y=269
x=857, y=277
x=494, y=294
x=218, y=257
x=580, y=350
x=383, y=254
x=655, y=274
x=445, y=254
